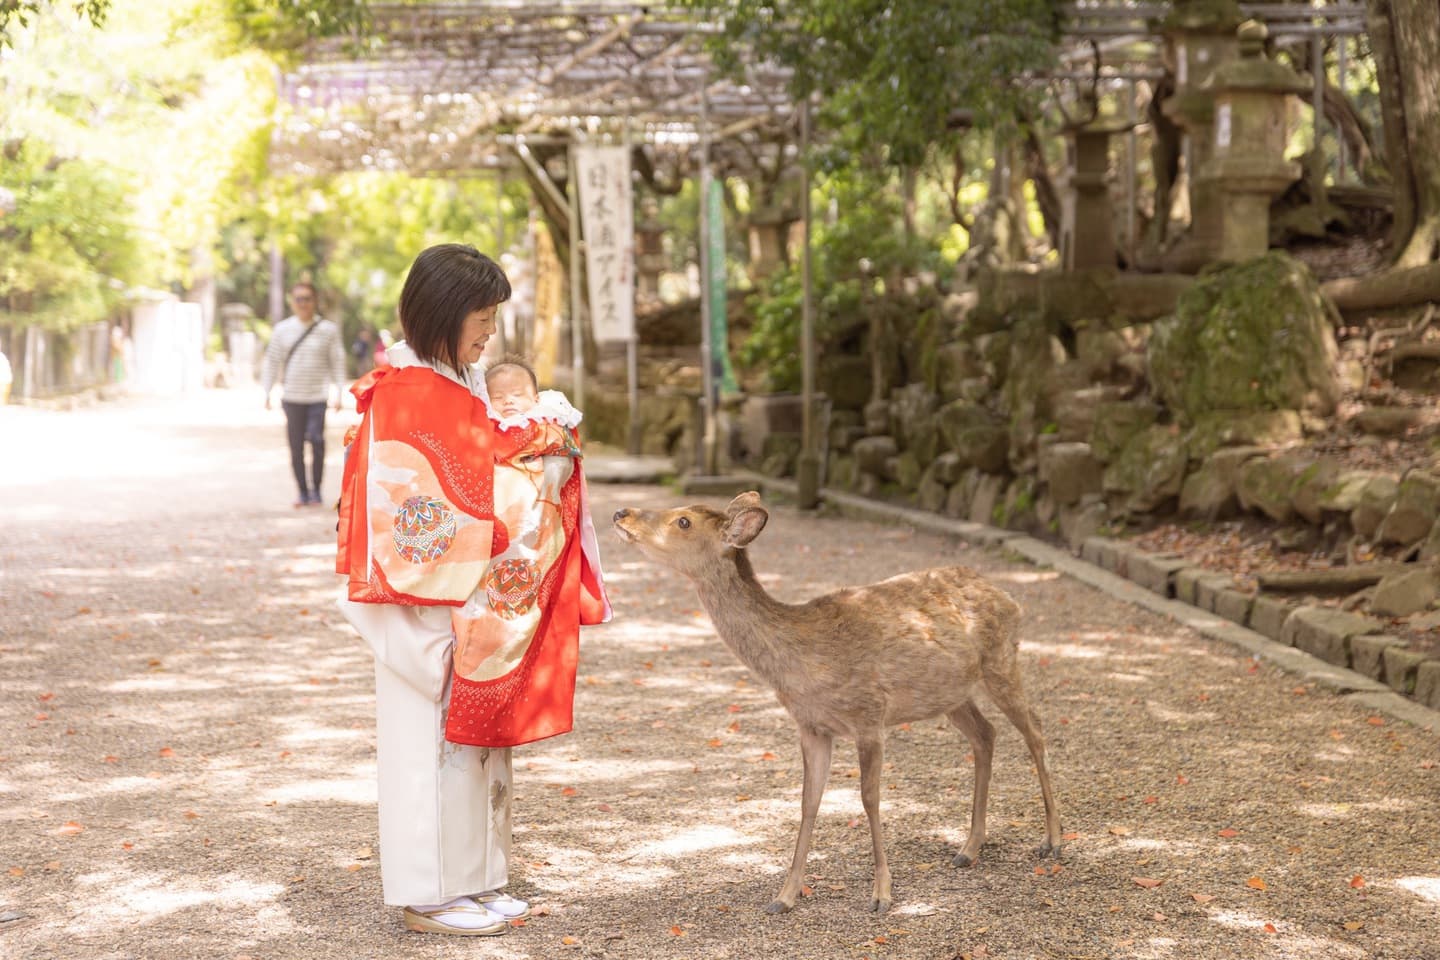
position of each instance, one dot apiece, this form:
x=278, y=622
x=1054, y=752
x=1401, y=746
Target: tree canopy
x=897, y=74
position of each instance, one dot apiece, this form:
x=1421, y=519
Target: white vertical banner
x=607, y=218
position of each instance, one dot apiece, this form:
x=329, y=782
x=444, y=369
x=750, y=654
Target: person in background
x=382, y=347
x=306, y=358
x=362, y=351
x=6, y=377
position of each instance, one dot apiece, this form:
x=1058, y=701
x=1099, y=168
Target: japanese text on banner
x=607, y=218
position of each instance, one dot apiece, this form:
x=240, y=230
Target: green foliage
x=283, y=26
x=894, y=73
x=774, y=341
x=20, y=12
x=66, y=250
x=853, y=254
x=355, y=236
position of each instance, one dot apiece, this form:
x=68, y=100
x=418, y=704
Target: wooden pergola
x=451, y=87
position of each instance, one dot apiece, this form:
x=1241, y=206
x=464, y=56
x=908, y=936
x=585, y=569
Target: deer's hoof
x=778, y=906
x=963, y=860
x=879, y=906
x=1048, y=849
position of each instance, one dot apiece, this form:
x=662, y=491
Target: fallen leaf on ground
x=1227, y=833
x=1255, y=883
x=1357, y=881
x=1353, y=925
x=1201, y=897
x=1148, y=883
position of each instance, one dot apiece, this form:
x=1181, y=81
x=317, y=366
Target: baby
x=512, y=387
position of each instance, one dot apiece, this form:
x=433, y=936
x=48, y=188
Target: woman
x=417, y=525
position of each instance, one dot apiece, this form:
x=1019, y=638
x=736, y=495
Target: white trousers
x=444, y=807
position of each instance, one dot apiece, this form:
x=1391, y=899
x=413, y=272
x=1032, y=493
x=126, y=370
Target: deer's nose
x=620, y=515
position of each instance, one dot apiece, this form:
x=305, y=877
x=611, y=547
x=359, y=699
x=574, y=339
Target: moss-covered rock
x=778, y=453
x=989, y=488
x=1035, y=357
x=907, y=471
x=1150, y=470
x=665, y=419
x=1209, y=489
x=974, y=434
x=841, y=472
x=1070, y=470
x=1265, y=484
x=1252, y=336
x=873, y=456
x=1075, y=411
x=955, y=364
x=910, y=405
x=1377, y=496
x=1313, y=486
x=1116, y=422
x=845, y=380
x=1414, y=512
x=1266, y=428
x=931, y=492
x=1017, y=509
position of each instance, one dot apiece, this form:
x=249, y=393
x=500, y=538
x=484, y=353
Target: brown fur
x=854, y=662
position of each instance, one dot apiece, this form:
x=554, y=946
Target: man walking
x=306, y=356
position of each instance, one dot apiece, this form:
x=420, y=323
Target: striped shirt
x=318, y=362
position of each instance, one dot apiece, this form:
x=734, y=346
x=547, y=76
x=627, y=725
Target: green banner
x=721, y=370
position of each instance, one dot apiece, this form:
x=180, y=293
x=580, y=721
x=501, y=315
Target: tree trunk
x=1165, y=149
x=1399, y=287
x=1046, y=196
x=1404, y=37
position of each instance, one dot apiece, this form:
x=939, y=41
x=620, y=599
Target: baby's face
x=511, y=392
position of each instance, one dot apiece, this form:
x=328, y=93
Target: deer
x=855, y=662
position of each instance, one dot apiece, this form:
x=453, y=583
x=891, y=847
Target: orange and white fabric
x=517, y=636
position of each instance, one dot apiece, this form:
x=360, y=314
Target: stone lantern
x=1199, y=39
x=1087, y=231
x=1247, y=168
x=649, y=252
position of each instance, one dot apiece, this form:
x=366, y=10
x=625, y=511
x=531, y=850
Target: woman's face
x=479, y=326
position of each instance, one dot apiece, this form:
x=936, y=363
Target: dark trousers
x=306, y=422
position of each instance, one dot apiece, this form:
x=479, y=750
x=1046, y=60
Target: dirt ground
x=187, y=766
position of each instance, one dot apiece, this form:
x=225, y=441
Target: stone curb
x=1365, y=691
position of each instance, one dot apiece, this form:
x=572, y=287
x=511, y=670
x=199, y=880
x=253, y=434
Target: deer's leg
x=1009, y=696
x=982, y=743
x=815, y=751
x=872, y=761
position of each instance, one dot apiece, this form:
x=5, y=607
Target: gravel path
x=187, y=763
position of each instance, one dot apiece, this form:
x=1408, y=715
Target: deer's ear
x=750, y=500
x=744, y=526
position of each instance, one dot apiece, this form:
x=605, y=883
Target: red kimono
x=440, y=506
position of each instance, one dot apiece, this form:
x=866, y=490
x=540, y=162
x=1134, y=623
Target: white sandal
x=503, y=904
x=482, y=922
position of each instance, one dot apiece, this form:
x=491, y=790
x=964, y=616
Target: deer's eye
x=683, y=523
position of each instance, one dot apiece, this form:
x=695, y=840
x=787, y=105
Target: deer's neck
x=752, y=623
